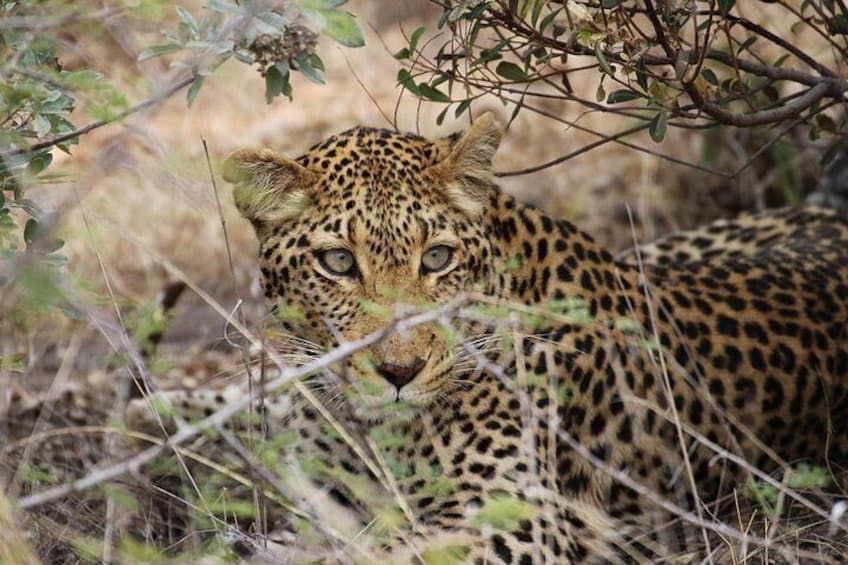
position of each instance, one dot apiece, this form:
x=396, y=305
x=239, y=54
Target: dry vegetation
x=137, y=208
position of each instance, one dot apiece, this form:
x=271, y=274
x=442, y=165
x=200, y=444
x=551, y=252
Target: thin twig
x=189, y=431
x=586, y=148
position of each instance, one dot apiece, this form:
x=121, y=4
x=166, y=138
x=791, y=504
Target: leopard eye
x=436, y=259
x=338, y=262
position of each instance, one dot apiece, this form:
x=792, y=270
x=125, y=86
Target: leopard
x=509, y=354
x=747, y=234
x=753, y=233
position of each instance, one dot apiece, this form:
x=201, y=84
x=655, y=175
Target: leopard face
x=364, y=221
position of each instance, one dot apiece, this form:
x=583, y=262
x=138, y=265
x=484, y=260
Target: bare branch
x=762, y=117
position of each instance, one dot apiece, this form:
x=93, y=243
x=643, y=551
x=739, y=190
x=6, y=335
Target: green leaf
x=191, y=94
x=224, y=7
x=600, y=94
x=320, y=4
x=443, y=19
x=830, y=154
x=746, y=45
x=432, y=93
x=838, y=25
x=807, y=477
x=445, y=554
x=38, y=163
x=623, y=95
x=158, y=50
x=405, y=80
x=42, y=126
x=277, y=82
x=415, y=38
x=826, y=123
x=537, y=11
x=13, y=362
x=305, y=65
x=342, y=27
x=458, y=12
x=602, y=60
x=273, y=19
x=510, y=71
x=28, y=205
x=725, y=6
x=642, y=75
x=316, y=62
x=504, y=512
x=463, y=106
x=55, y=245
x=186, y=17
x=516, y=110
x=493, y=53
x=477, y=11
x=548, y=20
x=402, y=54
x=441, y=117
x=709, y=76
x=30, y=230
x=658, y=126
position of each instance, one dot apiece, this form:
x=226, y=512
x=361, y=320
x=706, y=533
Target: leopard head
x=365, y=221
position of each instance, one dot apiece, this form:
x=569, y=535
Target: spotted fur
x=662, y=375
x=747, y=235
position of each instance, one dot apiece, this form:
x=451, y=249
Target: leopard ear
x=465, y=175
x=269, y=187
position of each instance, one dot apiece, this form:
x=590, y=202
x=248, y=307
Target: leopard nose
x=400, y=375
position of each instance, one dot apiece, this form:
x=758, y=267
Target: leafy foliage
x=277, y=37
x=669, y=64
x=803, y=476
x=38, y=95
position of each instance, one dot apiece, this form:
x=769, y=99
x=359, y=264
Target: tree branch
x=761, y=117
x=780, y=42
x=167, y=93
x=821, y=88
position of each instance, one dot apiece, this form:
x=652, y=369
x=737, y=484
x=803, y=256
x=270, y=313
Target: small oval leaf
x=602, y=60
x=405, y=80
x=158, y=50
x=30, y=230
x=432, y=93
x=709, y=76
x=623, y=95
x=191, y=94
x=511, y=71
x=342, y=27
x=415, y=38
x=658, y=126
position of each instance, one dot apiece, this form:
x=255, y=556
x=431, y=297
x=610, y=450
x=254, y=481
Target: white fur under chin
x=381, y=411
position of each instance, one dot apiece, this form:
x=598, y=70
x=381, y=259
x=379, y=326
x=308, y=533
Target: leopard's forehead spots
x=369, y=166
x=373, y=193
